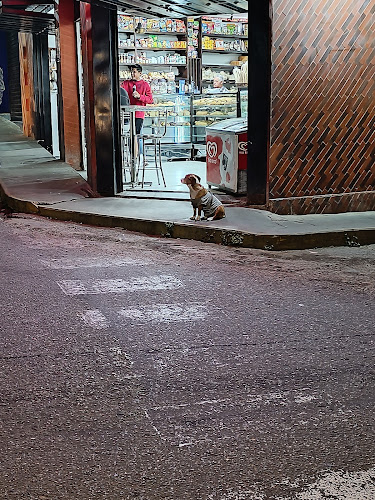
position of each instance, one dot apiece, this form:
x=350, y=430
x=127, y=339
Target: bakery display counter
x=207, y=110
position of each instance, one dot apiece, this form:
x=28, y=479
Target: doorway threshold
x=138, y=193
x=154, y=194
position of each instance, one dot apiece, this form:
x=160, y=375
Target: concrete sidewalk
x=33, y=181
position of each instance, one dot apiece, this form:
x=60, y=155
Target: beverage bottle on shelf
x=163, y=86
x=171, y=87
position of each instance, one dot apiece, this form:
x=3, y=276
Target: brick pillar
x=69, y=100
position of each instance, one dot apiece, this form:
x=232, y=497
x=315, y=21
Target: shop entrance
x=196, y=71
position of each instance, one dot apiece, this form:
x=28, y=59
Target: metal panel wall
x=323, y=98
x=14, y=77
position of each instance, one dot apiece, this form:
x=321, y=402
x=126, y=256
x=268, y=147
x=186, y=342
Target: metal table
x=133, y=139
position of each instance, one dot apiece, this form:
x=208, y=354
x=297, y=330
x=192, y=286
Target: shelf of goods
x=189, y=52
x=210, y=109
x=224, y=48
x=193, y=30
x=153, y=43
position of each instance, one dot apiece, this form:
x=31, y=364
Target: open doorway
x=180, y=59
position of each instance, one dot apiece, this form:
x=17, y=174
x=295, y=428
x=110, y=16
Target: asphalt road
x=145, y=368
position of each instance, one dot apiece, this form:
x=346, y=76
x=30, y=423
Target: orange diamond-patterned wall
x=323, y=98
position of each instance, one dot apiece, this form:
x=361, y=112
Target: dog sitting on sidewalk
x=201, y=199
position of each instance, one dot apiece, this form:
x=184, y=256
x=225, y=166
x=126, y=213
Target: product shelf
x=152, y=49
x=218, y=65
x=217, y=51
x=154, y=64
x=179, y=33
x=221, y=35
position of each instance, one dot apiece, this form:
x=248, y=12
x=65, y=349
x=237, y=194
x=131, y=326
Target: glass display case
x=207, y=109
x=243, y=102
x=178, y=131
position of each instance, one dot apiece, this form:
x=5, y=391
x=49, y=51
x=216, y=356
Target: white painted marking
x=188, y=443
x=253, y=494
x=300, y=399
x=196, y=403
x=161, y=282
x=86, y=262
x=95, y=319
x=272, y=397
x=166, y=313
x=342, y=485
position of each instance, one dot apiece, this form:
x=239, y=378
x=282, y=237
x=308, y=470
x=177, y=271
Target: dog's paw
x=192, y=217
x=198, y=218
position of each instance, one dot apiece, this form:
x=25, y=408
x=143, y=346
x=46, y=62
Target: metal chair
x=153, y=140
x=125, y=143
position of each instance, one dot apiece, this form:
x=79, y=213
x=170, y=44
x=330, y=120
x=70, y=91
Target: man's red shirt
x=145, y=94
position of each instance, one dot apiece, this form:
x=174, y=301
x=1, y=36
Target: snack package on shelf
x=125, y=23
x=240, y=75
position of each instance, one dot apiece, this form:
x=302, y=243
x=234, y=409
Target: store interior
x=180, y=59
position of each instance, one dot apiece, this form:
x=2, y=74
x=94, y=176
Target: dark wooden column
x=260, y=33
x=102, y=83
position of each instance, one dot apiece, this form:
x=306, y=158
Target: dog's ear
x=197, y=177
x=192, y=179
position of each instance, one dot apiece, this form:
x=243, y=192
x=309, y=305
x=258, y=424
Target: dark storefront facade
x=311, y=97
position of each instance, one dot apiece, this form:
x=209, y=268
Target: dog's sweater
x=209, y=204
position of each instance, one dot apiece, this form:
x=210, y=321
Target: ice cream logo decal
x=212, y=149
x=242, y=147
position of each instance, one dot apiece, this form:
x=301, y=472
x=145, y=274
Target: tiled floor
x=174, y=171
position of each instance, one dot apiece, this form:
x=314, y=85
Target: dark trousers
x=138, y=125
x=138, y=129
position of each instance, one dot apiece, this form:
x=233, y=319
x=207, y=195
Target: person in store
x=139, y=92
x=218, y=85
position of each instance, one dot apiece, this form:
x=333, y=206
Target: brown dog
x=201, y=199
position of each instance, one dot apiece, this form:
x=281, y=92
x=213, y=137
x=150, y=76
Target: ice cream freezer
x=226, y=155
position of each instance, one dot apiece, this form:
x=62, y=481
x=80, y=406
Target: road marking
x=94, y=319
x=166, y=313
x=342, y=485
x=172, y=420
x=78, y=287
x=85, y=262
